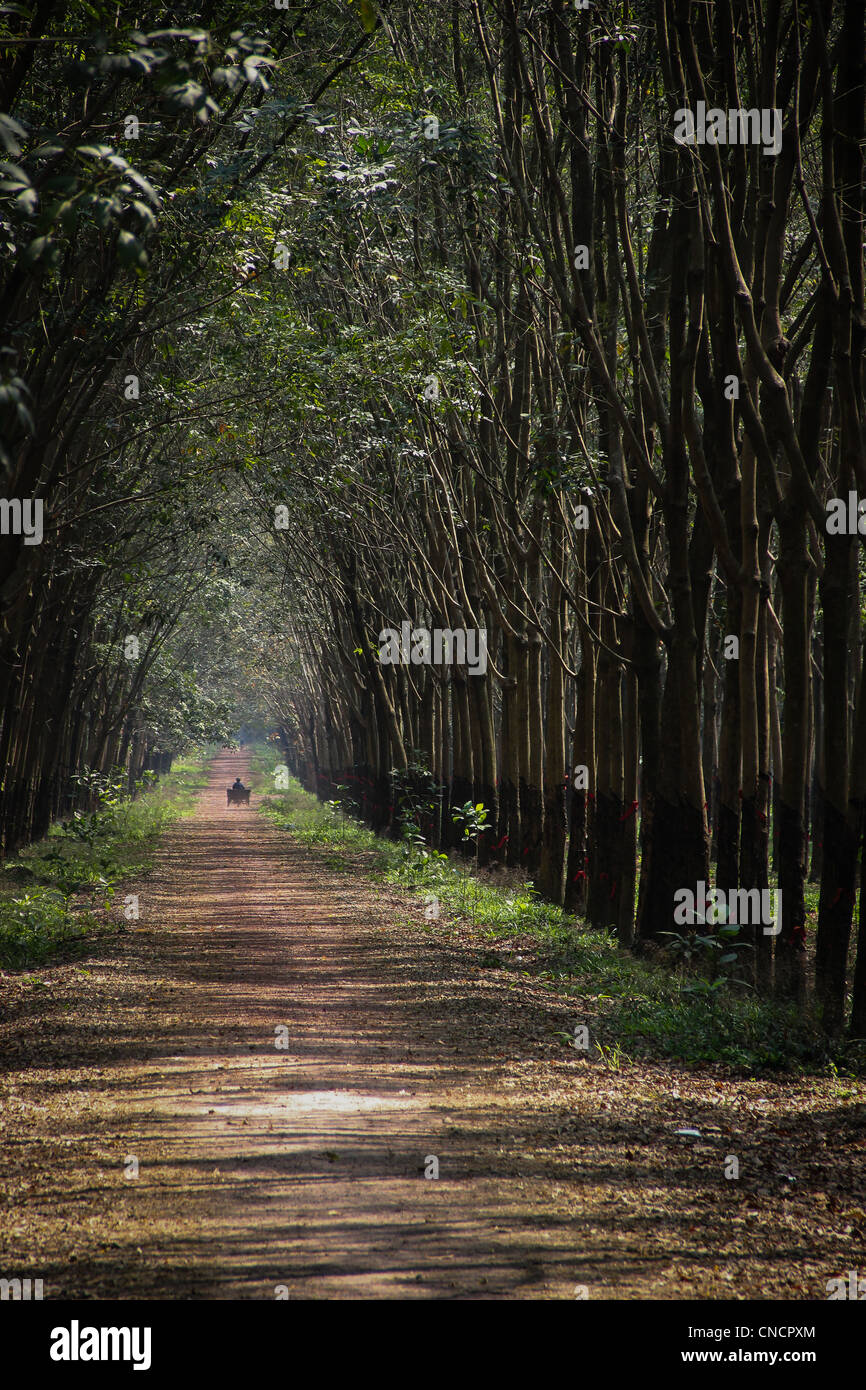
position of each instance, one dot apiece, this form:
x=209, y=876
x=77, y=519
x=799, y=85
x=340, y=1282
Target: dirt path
x=303, y=1169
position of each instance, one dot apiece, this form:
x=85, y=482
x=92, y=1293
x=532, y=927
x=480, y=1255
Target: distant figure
x=237, y=794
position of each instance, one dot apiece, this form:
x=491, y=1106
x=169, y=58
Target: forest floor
x=266, y=1171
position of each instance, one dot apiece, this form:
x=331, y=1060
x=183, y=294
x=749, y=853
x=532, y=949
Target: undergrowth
x=640, y=1007
x=59, y=894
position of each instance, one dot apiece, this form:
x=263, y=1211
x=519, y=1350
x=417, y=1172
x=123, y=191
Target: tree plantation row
x=445, y=317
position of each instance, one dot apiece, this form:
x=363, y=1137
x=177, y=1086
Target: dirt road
x=281, y=1055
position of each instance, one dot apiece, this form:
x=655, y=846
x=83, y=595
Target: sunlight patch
x=344, y=1102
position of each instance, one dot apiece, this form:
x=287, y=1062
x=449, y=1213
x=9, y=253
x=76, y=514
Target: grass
x=58, y=895
x=643, y=1008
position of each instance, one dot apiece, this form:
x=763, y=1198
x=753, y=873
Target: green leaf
x=104, y=209
x=369, y=15
x=15, y=177
x=36, y=250
x=144, y=212
x=194, y=35
x=10, y=130
x=65, y=214
x=27, y=201
x=130, y=250
x=147, y=188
